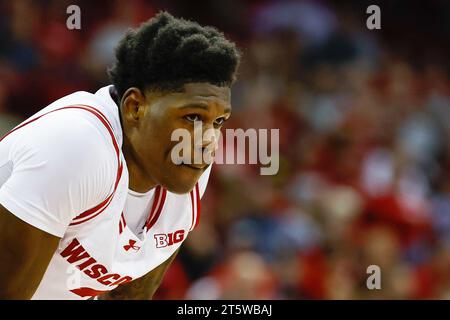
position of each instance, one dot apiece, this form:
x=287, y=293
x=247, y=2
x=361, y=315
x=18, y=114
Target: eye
x=193, y=117
x=219, y=121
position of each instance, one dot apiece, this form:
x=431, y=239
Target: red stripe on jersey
x=197, y=193
x=92, y=110
x=91, y=213
x=88, y=292
x=156, y=200
x=80, y=219
x=22, y=125
x=77, y=222
x=193, y=210
x=96, y=110
x=123, y=221
x=81, y=106
x=158, y=213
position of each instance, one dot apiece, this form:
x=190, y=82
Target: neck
x=139, y=180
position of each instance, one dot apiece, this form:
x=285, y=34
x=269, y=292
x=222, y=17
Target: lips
x=194, y=166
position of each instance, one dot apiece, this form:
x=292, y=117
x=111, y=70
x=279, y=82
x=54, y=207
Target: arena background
x=364, y=138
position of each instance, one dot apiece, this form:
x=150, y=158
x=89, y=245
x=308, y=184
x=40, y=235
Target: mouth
x=198, y=168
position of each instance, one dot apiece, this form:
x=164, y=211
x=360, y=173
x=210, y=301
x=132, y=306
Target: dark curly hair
x=165, y=53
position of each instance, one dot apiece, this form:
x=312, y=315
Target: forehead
x=194, y=94
x=203, y=93
x=206, y=90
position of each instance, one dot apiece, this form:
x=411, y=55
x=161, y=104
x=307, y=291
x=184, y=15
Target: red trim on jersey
x=91, y=213
x=94, y=209
x=122, y=223
x=158, y=212
x=197, y=218
x=77, y=222
x=193, y=210
x=106, y=202
x=88, y=292
x=156, y=199
x=20, y=126
x=96, y=110
x=93, y=110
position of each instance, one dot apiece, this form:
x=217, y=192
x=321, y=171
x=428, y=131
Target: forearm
x=20, y=273
x=24, y=259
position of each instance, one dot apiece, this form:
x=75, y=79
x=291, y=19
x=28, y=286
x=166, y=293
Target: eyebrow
x=199, y=105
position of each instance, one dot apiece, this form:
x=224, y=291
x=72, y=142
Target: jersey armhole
x=195, y=206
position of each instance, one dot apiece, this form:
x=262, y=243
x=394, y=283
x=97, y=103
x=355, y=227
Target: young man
x=91, y=202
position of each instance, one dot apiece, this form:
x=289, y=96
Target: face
x=150, y=118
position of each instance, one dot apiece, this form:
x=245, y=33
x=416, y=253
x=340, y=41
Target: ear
x=133, y=101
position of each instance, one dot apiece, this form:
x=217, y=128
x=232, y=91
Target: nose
x=207, y=142
x=210, y=147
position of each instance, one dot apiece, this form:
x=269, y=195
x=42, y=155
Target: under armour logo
x=131, y=245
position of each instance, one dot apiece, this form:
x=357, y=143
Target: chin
x=181, y=179
x=179, y=188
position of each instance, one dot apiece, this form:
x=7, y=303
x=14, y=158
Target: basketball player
x=91, y=203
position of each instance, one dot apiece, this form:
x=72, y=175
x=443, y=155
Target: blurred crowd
x=364, y=140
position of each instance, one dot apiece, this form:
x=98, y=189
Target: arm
x=25, y=253
x=143, y=288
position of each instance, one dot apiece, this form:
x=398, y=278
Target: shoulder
x=70, y=134
x=64, y=163
x=70, y=148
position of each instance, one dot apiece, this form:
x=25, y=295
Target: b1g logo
x=168, y=239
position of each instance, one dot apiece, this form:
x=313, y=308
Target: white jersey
x=63, y=172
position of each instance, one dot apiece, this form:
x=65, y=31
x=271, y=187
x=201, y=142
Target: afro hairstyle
x=165, y=53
